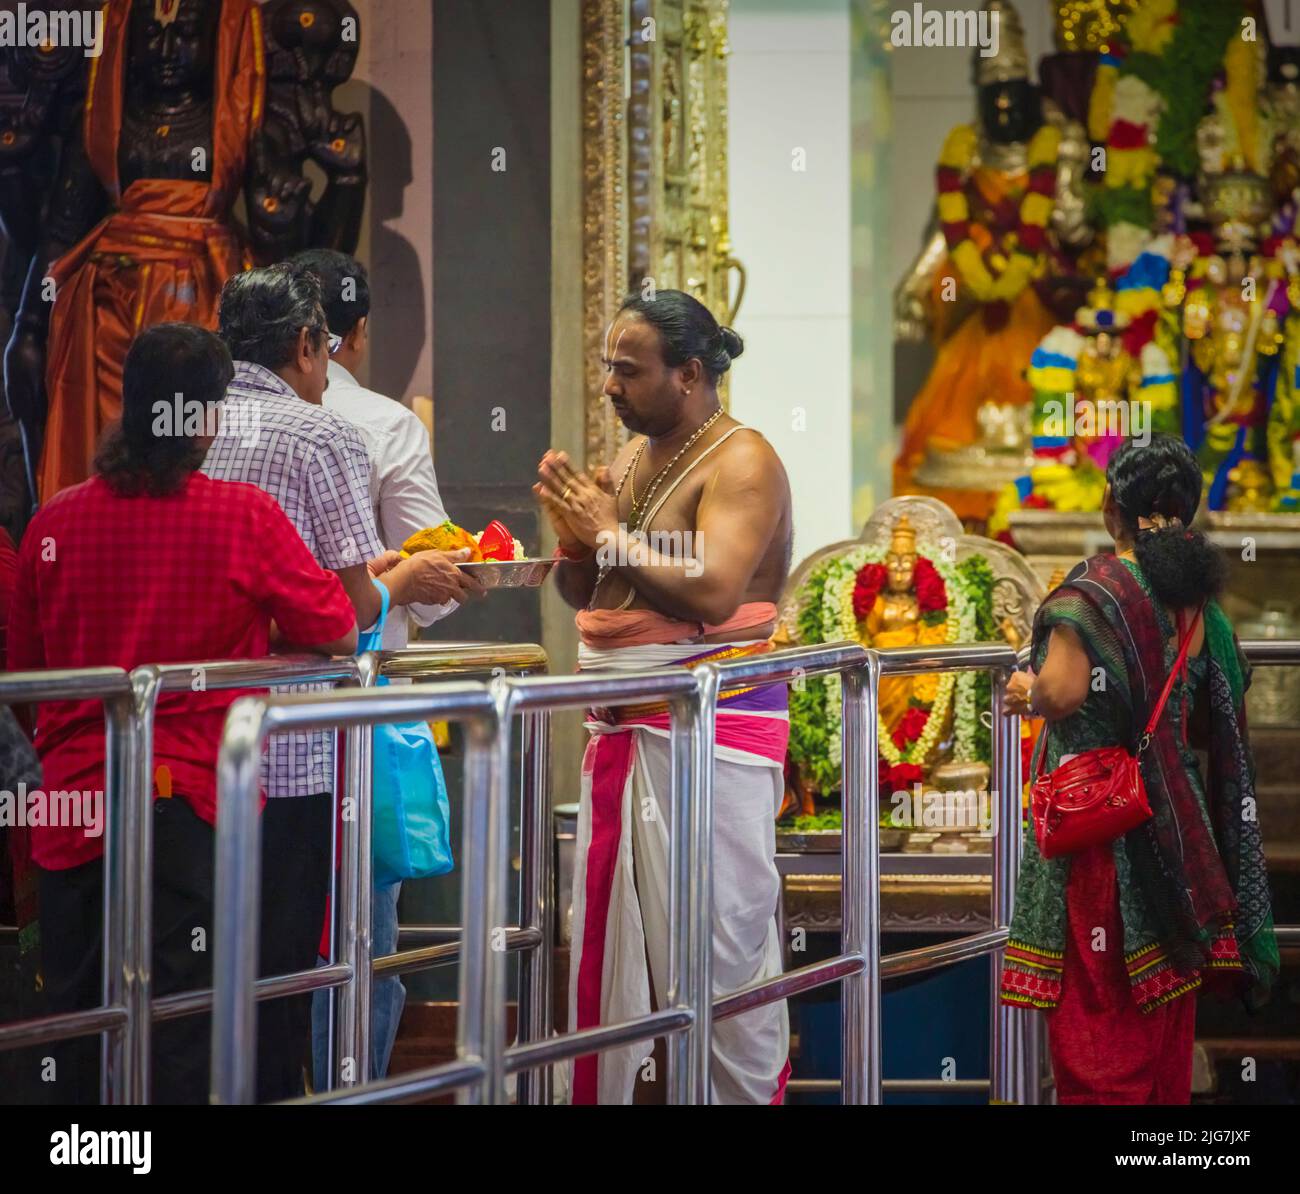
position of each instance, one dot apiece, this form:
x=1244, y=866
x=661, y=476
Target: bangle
x=573, y=555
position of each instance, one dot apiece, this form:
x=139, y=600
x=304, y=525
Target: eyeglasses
x=335, y=343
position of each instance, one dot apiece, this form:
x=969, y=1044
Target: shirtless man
x=682, y=560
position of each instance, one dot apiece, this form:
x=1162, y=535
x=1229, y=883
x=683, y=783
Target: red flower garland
x=898, y=778
x=871, y=579
x=931, y=592
x=910, y=726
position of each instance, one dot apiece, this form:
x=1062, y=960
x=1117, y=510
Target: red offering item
x=496, y=542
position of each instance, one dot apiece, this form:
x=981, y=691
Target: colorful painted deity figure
x=1107, y=376
x=902, y=616
x=1232, y=316
x=1009, y=204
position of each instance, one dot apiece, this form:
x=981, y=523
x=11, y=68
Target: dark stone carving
x=311, y=48
x=186, y=116
x=41, y=92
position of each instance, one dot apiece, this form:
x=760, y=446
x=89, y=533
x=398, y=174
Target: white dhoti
x=621, y=881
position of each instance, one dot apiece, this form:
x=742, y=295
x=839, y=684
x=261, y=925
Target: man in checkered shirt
x=276, y=434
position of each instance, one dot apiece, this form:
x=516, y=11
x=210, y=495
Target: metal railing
x=479, y=1070
x=860, y=958
x=488, y=710
x=115, y=1019
x=124, y=1018
x=685, y=1022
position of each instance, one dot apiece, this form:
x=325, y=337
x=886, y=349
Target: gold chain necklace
x=639, y=509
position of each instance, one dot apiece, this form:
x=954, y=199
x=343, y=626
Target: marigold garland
x=976, y=272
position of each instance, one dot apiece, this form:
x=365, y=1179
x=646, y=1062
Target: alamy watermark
x=970, y=810
x=189, y=417
x=646, y=549
x=56, y=808
x=35, y=29
x=1127, y=418
x=965, y=28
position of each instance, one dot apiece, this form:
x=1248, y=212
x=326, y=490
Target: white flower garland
x=838, y=622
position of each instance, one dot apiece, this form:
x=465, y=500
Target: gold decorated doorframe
x=654, y=171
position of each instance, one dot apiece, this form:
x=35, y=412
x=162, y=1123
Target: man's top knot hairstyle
x=344, y=284
x=687, y=330
x=263, y=310
x=1161, y=483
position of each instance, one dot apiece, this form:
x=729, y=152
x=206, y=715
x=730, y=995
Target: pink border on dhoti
x=610, y=758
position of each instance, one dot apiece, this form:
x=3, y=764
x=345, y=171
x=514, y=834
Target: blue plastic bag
x=410, y=834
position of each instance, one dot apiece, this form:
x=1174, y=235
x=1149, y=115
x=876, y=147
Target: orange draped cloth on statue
x=982, y=360
x=162, y=253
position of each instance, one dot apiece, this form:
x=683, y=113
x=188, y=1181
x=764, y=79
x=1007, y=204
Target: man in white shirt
x=404, y=493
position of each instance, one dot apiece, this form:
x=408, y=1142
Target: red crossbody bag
x=1098, y=795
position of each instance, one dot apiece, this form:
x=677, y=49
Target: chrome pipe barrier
x=680, y=689
x=408, y=961
x=62, y=1027
x=857, y=967
x=860, y=967
x=113, y=1021
x=608, y=1036
x=300, y=982
x=702, y=734
x=792, y=982
x=944, y=953
x=489, y=712
x=238, y=872
x=1007, y=1079
x=130, y=705
x=418, y=1085
x=148, y=684
x=1270, y=652
x=536, y=1014
x=348, y=1015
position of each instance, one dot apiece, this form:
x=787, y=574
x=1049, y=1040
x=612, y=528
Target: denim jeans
x=387, y=995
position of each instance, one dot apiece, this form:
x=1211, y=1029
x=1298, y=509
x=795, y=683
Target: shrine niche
x=179, y=118
x=912, y=578
x=654, y=172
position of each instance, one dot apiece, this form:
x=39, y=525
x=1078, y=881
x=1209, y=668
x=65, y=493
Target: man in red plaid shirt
x=150, y=561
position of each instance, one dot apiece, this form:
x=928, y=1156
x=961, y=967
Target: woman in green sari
x=1114, y=942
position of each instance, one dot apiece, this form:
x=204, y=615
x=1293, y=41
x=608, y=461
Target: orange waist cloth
x=606, y=629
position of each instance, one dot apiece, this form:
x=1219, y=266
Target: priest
x=691, y=475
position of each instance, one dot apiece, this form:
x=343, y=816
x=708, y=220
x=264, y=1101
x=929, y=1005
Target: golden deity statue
x=897, y=619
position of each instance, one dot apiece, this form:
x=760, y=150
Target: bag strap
x=375, y=635
x=1184, y=643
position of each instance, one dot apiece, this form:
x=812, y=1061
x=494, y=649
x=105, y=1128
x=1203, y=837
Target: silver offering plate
x=510, y=574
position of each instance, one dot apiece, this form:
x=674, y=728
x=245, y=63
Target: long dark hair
x=687, y=329
x=146, y=452
x=1163, y=478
